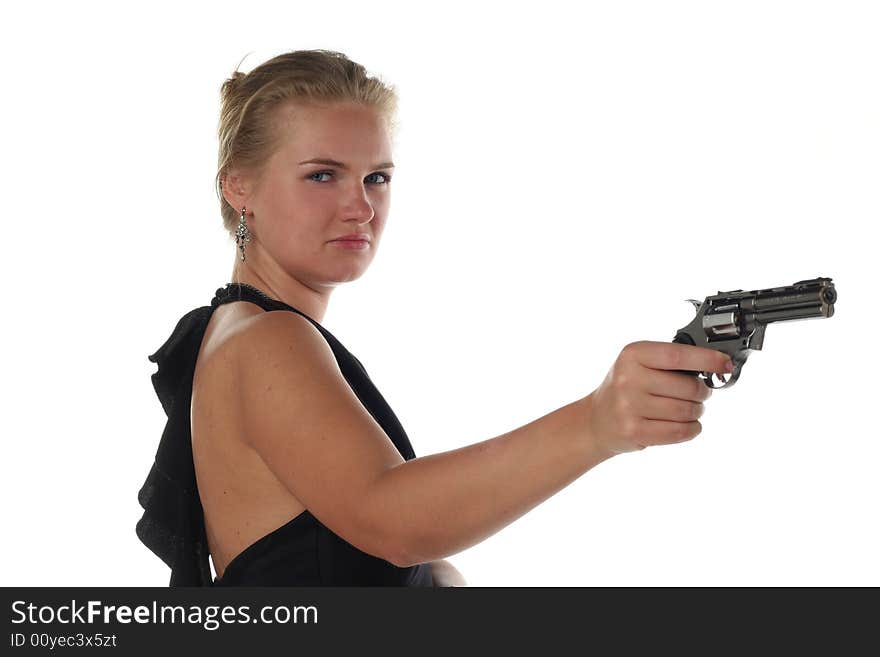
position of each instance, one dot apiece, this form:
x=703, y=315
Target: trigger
x=721, y=377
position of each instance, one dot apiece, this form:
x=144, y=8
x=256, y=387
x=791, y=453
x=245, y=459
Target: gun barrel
x=789, y=313
x=803, y=300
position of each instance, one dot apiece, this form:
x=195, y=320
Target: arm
x=443, y=503
x=308, y=426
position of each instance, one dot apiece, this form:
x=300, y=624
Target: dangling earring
x=242, y=235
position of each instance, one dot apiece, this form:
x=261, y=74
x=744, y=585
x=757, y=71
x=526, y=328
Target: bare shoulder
x=268, y=338
x=242, y=498
x=309, y=427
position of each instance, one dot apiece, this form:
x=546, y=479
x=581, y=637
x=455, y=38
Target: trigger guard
x=707, y=378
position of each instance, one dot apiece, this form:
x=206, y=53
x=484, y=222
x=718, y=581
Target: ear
x=236, y=189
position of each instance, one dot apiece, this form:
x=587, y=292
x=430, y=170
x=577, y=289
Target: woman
x=280, y=459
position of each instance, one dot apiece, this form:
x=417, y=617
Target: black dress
x=302, y=552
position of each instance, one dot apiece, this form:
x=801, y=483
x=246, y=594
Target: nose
x=357, y=205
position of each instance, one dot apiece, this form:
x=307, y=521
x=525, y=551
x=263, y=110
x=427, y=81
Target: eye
x=385, y=176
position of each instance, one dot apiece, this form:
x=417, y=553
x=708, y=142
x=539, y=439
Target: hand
x=642, y=403
x=445, y=574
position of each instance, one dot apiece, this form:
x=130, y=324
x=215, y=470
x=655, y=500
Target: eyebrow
x=334, y=163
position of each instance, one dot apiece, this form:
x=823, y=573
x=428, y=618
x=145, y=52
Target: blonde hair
x=248, y=128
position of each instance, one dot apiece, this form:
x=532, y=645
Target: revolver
x=734, y=322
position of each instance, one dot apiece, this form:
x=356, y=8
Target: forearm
x=437, y=505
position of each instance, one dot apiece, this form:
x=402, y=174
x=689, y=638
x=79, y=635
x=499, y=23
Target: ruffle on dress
x=173, y=524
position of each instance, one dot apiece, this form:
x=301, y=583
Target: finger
x=678, y=386
x=652, y=407
x=675, y=356
x=662, y=432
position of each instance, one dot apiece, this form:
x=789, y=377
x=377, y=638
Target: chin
x=348, y=276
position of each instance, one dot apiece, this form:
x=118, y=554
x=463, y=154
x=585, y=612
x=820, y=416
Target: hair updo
x=247, y=130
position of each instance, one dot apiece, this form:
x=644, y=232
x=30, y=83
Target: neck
x=280, y=285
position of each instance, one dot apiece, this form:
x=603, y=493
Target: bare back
x=241, y=497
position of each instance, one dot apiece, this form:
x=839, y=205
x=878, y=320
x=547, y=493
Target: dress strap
x=246, y=292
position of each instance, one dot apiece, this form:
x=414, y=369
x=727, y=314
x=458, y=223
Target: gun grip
x=683, y=338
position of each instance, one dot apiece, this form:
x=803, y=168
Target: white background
x=567, y=175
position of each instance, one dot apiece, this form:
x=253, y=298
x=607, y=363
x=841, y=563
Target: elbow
x=399, y=560
x=381, y=546
x=400, y=555
x=394, y=539
x=379, y=540
x=408, y=552
x=404, y=561
x=389, y=539
x=400, y=551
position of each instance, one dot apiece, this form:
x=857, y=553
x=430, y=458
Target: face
x=299, y=207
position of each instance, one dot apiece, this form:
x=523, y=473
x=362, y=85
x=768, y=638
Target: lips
x=352, y=238
x=352, y=245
